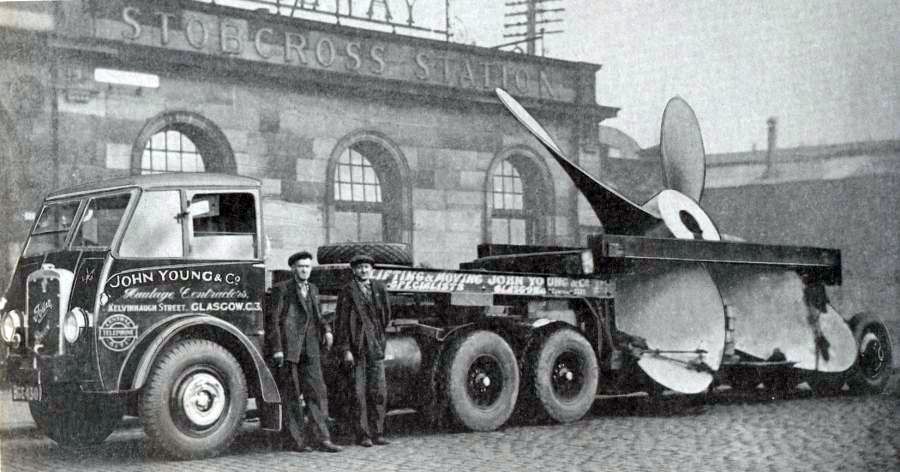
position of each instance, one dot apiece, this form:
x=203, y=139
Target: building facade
x=356, y=135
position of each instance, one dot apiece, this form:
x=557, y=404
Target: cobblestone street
x=729, y=432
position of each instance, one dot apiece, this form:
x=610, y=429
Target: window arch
x=368, y=191
x=519, y=199
x=181, y=141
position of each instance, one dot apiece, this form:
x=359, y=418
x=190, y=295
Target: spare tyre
x=383, y=253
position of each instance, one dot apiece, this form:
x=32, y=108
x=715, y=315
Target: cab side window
x=100, y=221
x=155, y=229
x=223, y=226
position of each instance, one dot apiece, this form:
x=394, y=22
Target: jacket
x=289, y=322
x=348, y=324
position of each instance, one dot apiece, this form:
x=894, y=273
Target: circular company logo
x=118, y=332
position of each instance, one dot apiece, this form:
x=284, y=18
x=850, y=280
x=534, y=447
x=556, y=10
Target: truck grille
x=44, y=311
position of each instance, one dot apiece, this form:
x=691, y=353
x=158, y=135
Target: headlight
x=587, y=262
x=10, y=323
x=73, y=324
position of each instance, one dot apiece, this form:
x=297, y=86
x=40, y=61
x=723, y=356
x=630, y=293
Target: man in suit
x=362, y=313
x=295, y=332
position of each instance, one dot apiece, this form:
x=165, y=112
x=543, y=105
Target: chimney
x=772, y=123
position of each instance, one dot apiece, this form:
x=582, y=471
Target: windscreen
x=52, y=228
x=98, y=225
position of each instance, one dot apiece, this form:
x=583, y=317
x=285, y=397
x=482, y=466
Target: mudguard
x=265, y=381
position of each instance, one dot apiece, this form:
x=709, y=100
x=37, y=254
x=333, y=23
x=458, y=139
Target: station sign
x=268, y=38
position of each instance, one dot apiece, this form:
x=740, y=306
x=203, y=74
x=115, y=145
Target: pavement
x=729, y=431
x=15, y=419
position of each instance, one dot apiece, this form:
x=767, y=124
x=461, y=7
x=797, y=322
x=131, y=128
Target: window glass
x=52, y=228
x=101, y=220
x=509, y=219
x=357, y=196
x=507, y=187
x=170, y=151
x=155, y=228
x=356, y=179
x=223, y=226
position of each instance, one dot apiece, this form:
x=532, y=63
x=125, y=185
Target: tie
x=366, y=289
x=304, y=289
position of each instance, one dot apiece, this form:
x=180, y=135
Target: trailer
x=146, y=295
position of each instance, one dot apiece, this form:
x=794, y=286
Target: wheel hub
x=485, y=381
x=202, y=399
x=872, y=354
x=565, y=379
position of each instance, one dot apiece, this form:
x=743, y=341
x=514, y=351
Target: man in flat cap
x=296, y=331
x=362, y=313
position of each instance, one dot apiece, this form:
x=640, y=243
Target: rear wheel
x=74, y=419
x=564, y=375
x=872, y=370
x=482, y=381
x=194, y=400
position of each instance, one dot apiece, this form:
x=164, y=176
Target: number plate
x=26, y=393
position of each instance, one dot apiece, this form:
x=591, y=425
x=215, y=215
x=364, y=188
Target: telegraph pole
x=533, y=21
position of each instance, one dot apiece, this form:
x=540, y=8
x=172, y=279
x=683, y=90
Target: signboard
x=411, y=280
x=225, y=32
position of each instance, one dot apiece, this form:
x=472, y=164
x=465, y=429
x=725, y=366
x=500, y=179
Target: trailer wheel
x=194, y=400
x=383, y=253
x=76, y=420
x=564, y=375
x=872, y=370
x=482, y=380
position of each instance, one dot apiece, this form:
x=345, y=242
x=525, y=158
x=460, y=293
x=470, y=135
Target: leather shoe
x=304, y=448
x=329, y=446
x=380, y=441
x=365, y=442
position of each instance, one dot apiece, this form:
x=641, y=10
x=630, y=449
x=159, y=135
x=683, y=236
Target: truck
x=146, y=296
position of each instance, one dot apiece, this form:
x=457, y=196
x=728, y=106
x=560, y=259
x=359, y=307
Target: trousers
x=305, y=378
x=369, y=396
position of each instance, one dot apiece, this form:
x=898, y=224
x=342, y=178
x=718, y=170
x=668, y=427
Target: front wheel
x=76, y=420
x=872, y=370
x=482, y=381
x=194, y=400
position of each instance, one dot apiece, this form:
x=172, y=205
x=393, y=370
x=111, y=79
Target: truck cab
x=144, y=296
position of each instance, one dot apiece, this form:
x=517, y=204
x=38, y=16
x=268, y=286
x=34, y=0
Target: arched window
x=519, y=199
x=181, y=141
x=359, y=209
x=368, y=191
x=508, y=219
x=170, y=151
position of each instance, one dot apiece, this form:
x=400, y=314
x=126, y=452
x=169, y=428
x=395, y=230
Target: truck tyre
x=76, y=420
x=563, y=375
x=383, y=253
x=482, y=380
x=194, y=400
x=872, y=370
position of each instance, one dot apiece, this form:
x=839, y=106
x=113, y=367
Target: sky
x=828, y=71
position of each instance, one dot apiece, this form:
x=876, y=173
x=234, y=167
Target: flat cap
x=361, y=258
x=297, y=256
